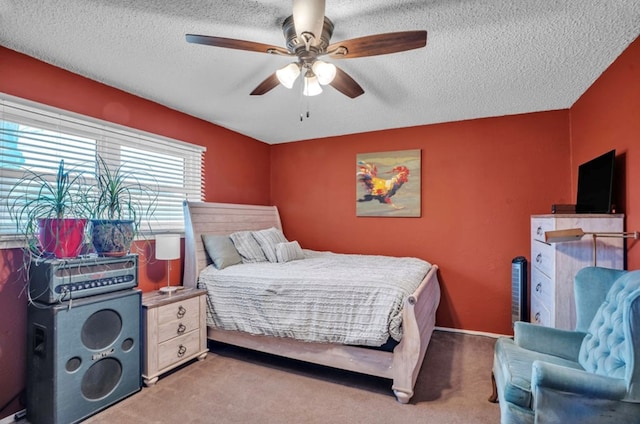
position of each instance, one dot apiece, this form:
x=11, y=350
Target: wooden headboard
x=221, y=219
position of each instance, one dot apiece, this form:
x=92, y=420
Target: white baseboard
x=472, y=332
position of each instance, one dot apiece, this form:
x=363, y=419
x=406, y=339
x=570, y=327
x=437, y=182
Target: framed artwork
x=388, y=184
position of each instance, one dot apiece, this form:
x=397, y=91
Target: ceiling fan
x=307, y=33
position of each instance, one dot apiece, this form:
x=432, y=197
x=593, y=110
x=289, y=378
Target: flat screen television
x=595, y=184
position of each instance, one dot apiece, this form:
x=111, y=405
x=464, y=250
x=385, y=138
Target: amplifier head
x=58, y=280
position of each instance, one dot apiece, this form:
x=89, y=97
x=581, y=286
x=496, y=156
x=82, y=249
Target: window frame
x=109, y=139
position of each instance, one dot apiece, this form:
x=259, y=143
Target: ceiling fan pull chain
x=302, y=100
x=308, y=114
x=301, y=104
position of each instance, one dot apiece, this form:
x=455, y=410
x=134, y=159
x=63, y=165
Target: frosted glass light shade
x=311, y=86
x=168, y=246
x=325, y=72
x=288, y=74
x=309, y=18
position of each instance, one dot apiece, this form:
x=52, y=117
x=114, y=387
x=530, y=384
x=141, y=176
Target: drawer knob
x=539, y=258
x=181, y=351
x=539, y=230
x=181, y=328
x=539, y=288
x=537, y=317
x=181, y=311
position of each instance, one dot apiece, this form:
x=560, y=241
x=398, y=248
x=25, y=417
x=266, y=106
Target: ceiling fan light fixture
x=325, y=71
x=288, y=74
x=311, y=85
x=308, y=16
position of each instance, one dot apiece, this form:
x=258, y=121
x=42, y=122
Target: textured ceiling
x=483, y=57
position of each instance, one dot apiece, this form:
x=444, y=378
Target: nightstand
x=175, y=330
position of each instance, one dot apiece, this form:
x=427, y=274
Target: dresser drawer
x=544, y=288
x=539, y=226
x=178, y=348
x=539, y=314
x=543, y=257
x=182, y=310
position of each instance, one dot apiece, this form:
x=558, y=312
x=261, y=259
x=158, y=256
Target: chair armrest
x=551, y=341
x=579, y=382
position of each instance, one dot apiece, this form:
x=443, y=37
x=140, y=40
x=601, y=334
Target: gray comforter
x=326, y=297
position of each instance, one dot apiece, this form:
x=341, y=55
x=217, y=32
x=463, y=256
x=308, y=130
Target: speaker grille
x=101, y=378
x=101, y=329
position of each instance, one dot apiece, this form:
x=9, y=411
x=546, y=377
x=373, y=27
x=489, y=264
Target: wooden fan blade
x=230, y=43
x=374, y=45
x=346, y=85
x=267, y=85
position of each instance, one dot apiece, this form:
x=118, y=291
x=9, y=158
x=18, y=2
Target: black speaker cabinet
x=82, y=356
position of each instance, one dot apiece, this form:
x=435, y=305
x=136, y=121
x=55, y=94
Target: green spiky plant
x=123, y=200
x=42, y=197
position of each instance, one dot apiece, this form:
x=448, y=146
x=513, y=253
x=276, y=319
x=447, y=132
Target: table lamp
x=168, y=249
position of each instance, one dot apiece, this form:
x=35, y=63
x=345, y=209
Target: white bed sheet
x=325, y=297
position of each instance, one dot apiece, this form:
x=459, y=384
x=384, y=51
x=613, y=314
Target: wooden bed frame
x=418, y=316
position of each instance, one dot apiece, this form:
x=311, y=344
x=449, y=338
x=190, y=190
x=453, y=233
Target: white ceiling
x=483, y=57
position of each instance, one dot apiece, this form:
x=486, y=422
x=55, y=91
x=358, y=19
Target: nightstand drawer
x=182, y=310
x=176, y=328
x=177, y=349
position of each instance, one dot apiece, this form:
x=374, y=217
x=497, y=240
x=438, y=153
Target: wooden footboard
x=402, y=365
x=418, y=322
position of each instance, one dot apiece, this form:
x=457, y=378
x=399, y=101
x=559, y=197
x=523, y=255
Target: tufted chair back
x=612, y=344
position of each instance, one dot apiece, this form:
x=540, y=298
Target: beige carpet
x=237, y=386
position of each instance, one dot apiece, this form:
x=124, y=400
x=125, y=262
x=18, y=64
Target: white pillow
x=268, y=240
x=289, y=251
x=248, y=247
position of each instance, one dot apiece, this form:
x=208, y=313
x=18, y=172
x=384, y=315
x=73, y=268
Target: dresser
x=554, y=265
x=175, y=330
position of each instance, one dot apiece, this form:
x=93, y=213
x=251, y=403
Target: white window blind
x=37, y=137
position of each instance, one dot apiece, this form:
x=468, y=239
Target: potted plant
x=50, y=212
x=122, y=199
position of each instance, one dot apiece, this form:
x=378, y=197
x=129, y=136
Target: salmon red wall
x=227, y=179
x=607, y=116
x=481, y=180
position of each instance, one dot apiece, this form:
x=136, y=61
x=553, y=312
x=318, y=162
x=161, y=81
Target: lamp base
x=169, y=289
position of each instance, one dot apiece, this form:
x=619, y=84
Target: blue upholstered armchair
x=590, y=375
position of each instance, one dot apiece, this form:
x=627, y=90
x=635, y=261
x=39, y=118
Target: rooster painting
x=380, y=177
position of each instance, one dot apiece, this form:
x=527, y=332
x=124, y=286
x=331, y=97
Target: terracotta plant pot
x=61, y=238
x=112, y=237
